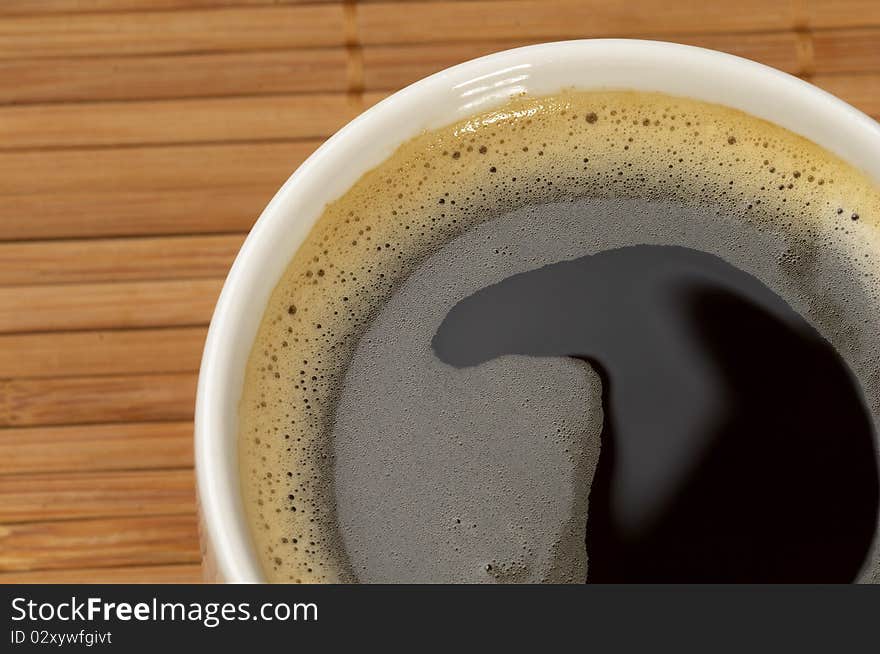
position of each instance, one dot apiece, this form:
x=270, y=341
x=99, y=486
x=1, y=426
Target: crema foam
x=393, y=429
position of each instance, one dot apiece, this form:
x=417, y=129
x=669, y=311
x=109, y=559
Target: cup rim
x=812, y=112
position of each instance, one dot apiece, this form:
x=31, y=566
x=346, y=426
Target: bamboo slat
x=178, y=121
x=156, y=168
x=839, y=13
x=861, y=91
x=62, y=79
x=73, y=495
x=98, y=448
x=119, y=259
x=107, y=306
x=79, y=354
x=180, y=31
x=846, y=51
x=27, y=7
x=99, y=213
x=95, y=400
x=101, y=542
x=381, y=23
x=185, y=573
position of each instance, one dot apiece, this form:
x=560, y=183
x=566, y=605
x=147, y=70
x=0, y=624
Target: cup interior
x=439, y=100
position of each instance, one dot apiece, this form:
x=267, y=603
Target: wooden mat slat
x=278, y=27
x=150, y=168
x=817, y=14
x=30, y=7
x=96, y=400
x=185, y=31
x=183, y=573
x=380, y=23
x=862, y=91
x=79, y=354
x=133, y=212
x=846, y=51
x=172, y=76
x=66, y=307
x=100, y=542
x=74, y=495
x=99, y=448
x=117, y=259
x=178, y=121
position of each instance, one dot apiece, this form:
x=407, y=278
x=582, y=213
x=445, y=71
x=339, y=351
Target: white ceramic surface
x=438, y=100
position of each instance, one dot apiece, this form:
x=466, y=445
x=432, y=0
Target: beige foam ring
x=608, y=144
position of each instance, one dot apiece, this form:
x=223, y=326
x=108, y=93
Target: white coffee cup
x=472, y=87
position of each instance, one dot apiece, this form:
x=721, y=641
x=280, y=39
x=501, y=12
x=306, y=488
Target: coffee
x=604, y=336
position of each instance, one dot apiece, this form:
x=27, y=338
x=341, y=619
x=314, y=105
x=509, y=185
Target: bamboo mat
x=140, y=139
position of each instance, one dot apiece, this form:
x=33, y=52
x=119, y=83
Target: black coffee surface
x=696, y=402
x=769, y=477
x=623, y=390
